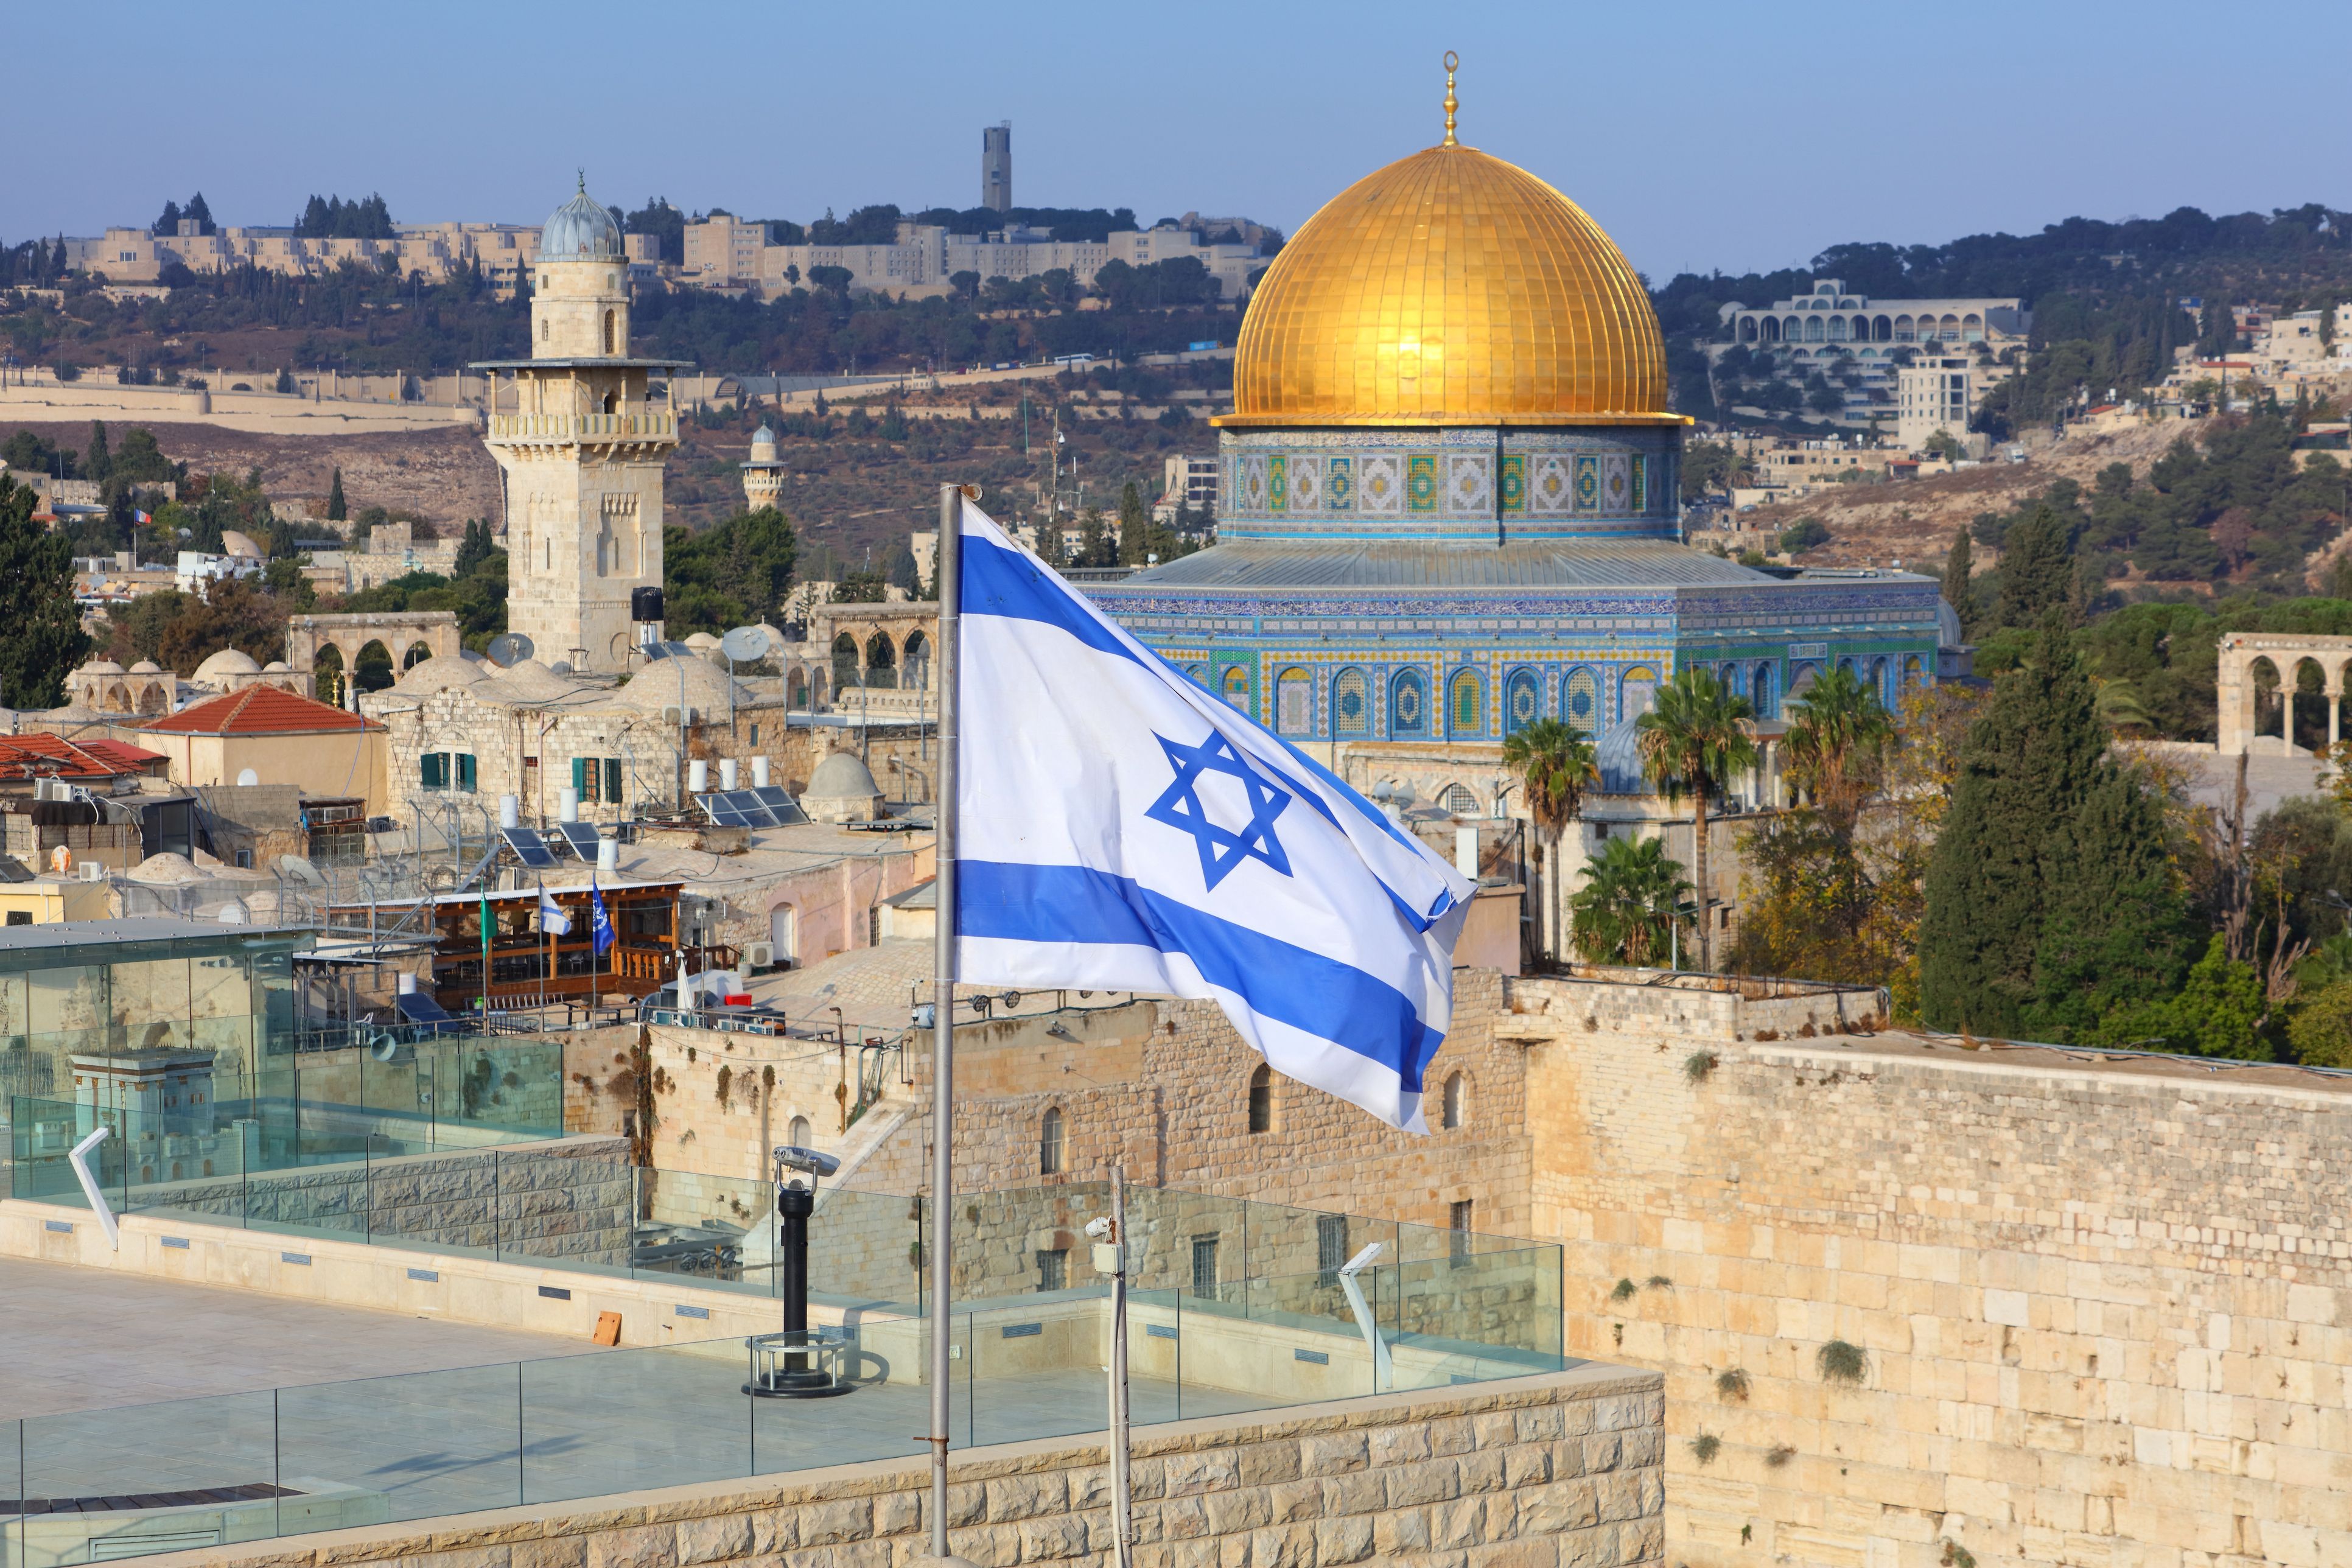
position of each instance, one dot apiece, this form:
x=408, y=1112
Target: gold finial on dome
x=1452, y=61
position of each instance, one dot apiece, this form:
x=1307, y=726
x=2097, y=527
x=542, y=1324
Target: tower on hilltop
x=581, y=451
x=996, y=166
x=763, y=475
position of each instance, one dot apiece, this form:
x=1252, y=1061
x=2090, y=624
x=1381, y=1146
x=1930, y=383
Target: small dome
x=703, y=642
x=275, y=667
x=763, y=445
x=241, y=544
x=438, y=674
x=841, y=775
x=100, y=667
x=698, y=683
x=1619, y=755
x=227, y=662
x=528, y=681
x=148, y=667
x=581, y=229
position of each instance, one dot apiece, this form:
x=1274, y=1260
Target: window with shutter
x=466, y=772
x=612, y=781
x=580, y=777
x=434, y=772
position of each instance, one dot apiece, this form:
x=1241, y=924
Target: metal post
x=1122, y=1513
x=949, y=569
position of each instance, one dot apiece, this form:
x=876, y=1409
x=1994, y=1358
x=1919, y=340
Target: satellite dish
x=232, y=914
x=247, y=778
x=302, y=870
x=744, y=645
x=509, y=648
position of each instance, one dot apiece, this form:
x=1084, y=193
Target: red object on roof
x=258, y=711
x=52, y=756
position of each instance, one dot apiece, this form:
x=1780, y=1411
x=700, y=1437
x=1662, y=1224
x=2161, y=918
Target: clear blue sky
x=1710, y=133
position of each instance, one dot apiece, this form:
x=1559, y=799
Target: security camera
x=793, y=1157
x=1099, y=1228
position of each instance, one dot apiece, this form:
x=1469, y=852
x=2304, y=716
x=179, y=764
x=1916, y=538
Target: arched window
x=608, y=336
x=1638, y=692
x=1049, y=1143
x=1759, y=690
x=798, y=1132
x=1902, y=329
x=881, y=662
x=1522, y=701
x=1455, y=1101
x=1793, y=329
x=1847, y=665
x=1294, y=703
x=1972, y=327
x=1801, y=678
x=1747, y=328
x=1735, y=680
x=1814, y=331
x=1198, y=674
x=1237, y=686
x=1771, y=325
x=1459, y=799
x=1581, y=705
x=1261, y=1100
x=1464, y=707
x=1882, y=328
x=844, y=661
x=1351, y=703
x=1837, y=329
x=1913, y=669
x=1948, y=328
x=917, y=658
x=1408, y=704
x=796, y=688
x=1878, y=687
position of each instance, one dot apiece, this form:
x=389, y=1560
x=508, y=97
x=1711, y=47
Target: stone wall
x=2102, y=1312
x=1558, y=1471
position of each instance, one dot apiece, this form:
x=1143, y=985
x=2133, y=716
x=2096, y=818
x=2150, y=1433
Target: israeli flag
x=1119, y=828
x=551, y=917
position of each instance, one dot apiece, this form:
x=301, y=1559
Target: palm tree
x=1691, y=742
x=1556, y=764
x=1838, y=733
x=1625, y=913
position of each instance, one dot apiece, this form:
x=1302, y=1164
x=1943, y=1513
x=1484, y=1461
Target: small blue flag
x=600, y=924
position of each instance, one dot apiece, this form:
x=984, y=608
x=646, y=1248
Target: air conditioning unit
x=93, y=871
x=759, y=954
x=677, y=715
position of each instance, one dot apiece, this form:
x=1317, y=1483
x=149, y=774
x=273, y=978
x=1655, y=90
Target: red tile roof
x=52, y=756
x=258, y=711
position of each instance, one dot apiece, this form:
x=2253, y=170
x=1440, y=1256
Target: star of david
x=1221, y=848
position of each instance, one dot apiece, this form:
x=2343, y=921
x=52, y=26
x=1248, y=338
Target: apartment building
x=1833, y=315
x=724, y=252
x=1934, y=392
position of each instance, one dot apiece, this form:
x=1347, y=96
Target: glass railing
x=103, y=1484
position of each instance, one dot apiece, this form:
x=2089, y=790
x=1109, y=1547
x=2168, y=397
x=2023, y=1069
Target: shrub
x=1659, y=1282
x=1698, y=1065
x=1731, y=1384
x=1625, y=1291
x=1706, y=1446
x=1842, y=1363
x=1957, y=1555
x=1778, y=1455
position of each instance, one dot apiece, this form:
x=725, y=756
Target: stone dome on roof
x=703, y=642
x=101, y=667
x=581, y=229
x=148, y=667
x=1449, y=287
x=275, y=667
x=1619, y=755
x=528, y=681
x=228, y=661
x=763, y=445
x=842, y=789
x=438, y=673
x=702, y=686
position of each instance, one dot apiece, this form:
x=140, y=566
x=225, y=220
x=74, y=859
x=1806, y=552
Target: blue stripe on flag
x=1001, y=581
x=1290, y=985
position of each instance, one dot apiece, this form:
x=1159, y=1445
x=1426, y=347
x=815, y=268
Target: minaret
x=582, y=451
x=763, y=475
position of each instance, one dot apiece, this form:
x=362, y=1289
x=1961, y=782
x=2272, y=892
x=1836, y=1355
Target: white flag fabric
x=1120, y=828
x=551, y=917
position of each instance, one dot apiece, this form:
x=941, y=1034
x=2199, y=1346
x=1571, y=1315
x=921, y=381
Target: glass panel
x=661, y=1416
x=889, y=1362
x=421, y=1444
x=1037, y=1370
x=134, y=1480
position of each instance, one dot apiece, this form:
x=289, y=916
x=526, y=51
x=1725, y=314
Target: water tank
x=698, y=777
x=645, y=604
x=758, y=773
x=509, y=811
x=608, y=854
x=727, y=773
x=567, y=804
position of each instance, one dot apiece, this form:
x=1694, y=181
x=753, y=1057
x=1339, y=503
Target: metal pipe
x=949, y=569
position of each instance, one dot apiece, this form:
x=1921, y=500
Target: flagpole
x=949, y=573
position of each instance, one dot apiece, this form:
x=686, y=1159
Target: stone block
x=1562, y=1505
x=714, y=1539
x=1264, y=1463
x=645, y=1546
x=1458, y=1524
x=1399, y=1444
x=1045, y=1540
x=1293, y=1502
x=1248, y=1508
x=1026, y=1497
x=1208, y=1471
x=1283, y=1546
x=827, y=1523
x=549, y=1552
x=895, y=1513
x=1325, y=1454
x=1433, y=1481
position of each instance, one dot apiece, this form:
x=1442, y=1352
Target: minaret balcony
x=578, y=429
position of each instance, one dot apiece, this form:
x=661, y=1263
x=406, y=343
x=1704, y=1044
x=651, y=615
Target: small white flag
x=551, y=917
x=1120, y=828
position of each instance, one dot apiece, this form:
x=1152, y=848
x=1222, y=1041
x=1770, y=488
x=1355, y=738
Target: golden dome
x=1450, y=288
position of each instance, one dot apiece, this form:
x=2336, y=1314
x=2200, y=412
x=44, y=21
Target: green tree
x=1692, y=742
x=1095, y=546
x=1625, y=913
x=40, y=628
x=100, y=464
x=2320, y=1033
x=336, y=508
x=1134, y=527
x=2050, y=893
x=1556, y=764
x=1960, y=586
x=1839, y=733
x=2218, y=1012
x=473, y=547
x=2037, y=569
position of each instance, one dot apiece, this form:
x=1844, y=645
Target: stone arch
x=1454, y=1101
x=1838, y=329
x=1948, y=328
x=915, y=660
x=1903, y=329
x=1747, y=328
x=117, y=699
x=1881, y=328
x=796, y=687
x=881, y=670
x=1972, y=327
x=1792, y=329
x=418, y=652
x=1259, y=1099
x=327, y=673
x=844, y=661
x=372, y=669
x=152, y=703
x=1459, y=798
x=1816, y=330
x=1770, y=330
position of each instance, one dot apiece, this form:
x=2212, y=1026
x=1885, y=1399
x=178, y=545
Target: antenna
x=510, y=648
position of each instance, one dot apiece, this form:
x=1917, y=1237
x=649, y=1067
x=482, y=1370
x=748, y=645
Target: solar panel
x=419, y=1008
x=780, y=804
x=737, y=808
x=581, y=837
x=529, y=846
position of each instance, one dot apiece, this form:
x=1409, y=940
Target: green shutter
x=612, y=781
x=436, y=770
x=466, y=772
x=580, y=777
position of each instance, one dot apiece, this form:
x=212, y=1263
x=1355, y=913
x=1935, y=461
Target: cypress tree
x=100, y=464
x=2037, y=569
x=41, y=626
x=2049, y=895
x=335, y=508
x=1960, y=590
